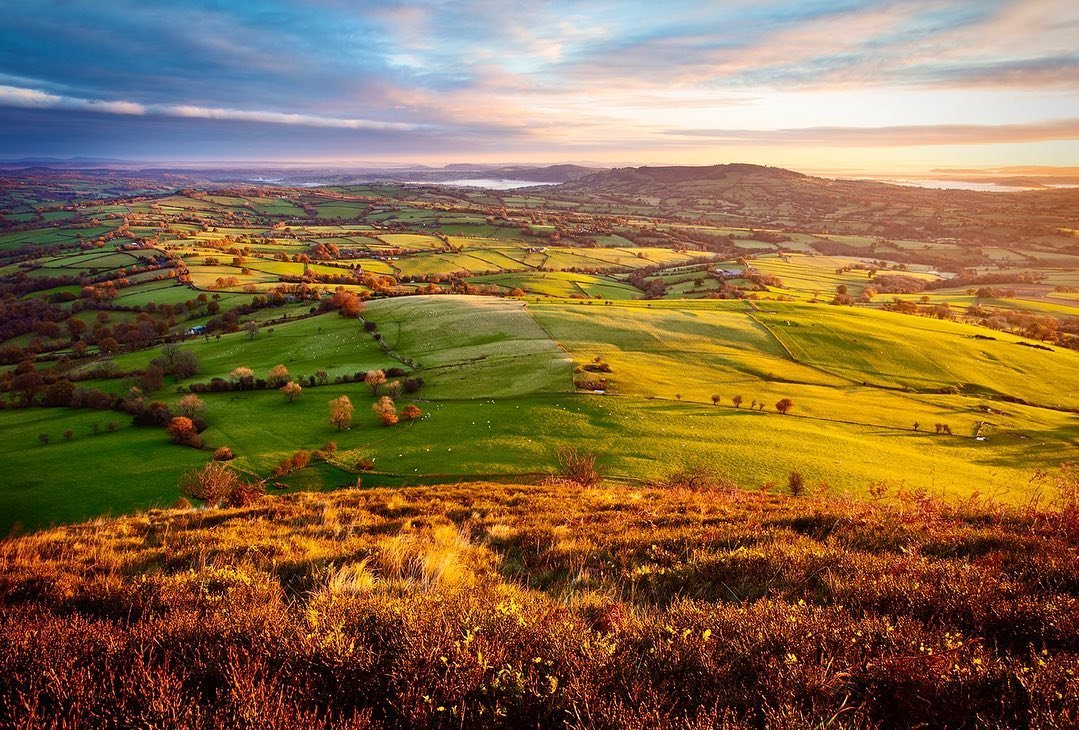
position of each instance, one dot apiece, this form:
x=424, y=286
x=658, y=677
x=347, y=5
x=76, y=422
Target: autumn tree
x=347, y=303
x=341, y=412
x=412, y=412
x=386, y=411
x=784, y=405
x=737, y=401
x=278, y=375
x=715, y=400
x=251, y=328
x=292, y=390
x=182, y=431
x=242, y=376
x=374, y=380
x=191, y=406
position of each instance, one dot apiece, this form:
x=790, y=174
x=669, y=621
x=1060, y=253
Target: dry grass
x=500, y=606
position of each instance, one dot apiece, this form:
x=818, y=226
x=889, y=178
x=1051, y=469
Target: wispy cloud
x=898, y=136
x=37, y=99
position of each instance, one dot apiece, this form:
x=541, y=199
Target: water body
x=966, y=185
x=482, y=182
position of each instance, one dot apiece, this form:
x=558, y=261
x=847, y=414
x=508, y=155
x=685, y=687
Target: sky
x=846, y=85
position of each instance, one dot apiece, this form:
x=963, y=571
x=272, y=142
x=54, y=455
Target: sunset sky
x=873, y=86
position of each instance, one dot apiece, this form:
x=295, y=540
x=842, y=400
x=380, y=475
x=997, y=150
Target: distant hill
x=756, y=194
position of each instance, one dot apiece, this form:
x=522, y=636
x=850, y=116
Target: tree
x=374, y=380
x=737, y=401
x=386, y=411
x=715, y=400
x=68, y=434
x=292, y=390
x=242, y=376
x=182, y=431
x=43, y=438
x=251, y=328
x=191, y=406
x=341, y=412
x=153, y=378
x=212, y=483
x=347, y=303
x=394, y=388
x=785, y=405
x=322, y=375
x=278, y=375
x=797, y=484
x=412, y=412
x=186, y=364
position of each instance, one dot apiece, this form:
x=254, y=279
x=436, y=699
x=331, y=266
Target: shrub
x=212, y=483
x=698, y=476
x=182, y=431
x=223, y=453
x=578, y=467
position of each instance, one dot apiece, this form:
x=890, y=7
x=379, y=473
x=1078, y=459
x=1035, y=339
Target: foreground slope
x=512, y=606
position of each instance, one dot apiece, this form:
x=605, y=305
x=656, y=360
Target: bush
x=578, y=467
x=223, y=453
x=212, y=484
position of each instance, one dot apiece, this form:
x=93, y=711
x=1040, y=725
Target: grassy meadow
x=508, y=380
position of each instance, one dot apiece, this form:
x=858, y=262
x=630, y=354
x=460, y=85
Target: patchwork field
x=691, y=331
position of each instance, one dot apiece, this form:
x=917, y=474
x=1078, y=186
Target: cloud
x=36, y=99
x=897, y=136
x=308, y=120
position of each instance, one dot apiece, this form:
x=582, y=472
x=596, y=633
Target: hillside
x=483, y=605
x=770, y=195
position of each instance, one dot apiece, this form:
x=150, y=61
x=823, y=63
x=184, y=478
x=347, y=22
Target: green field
x=504, y=377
